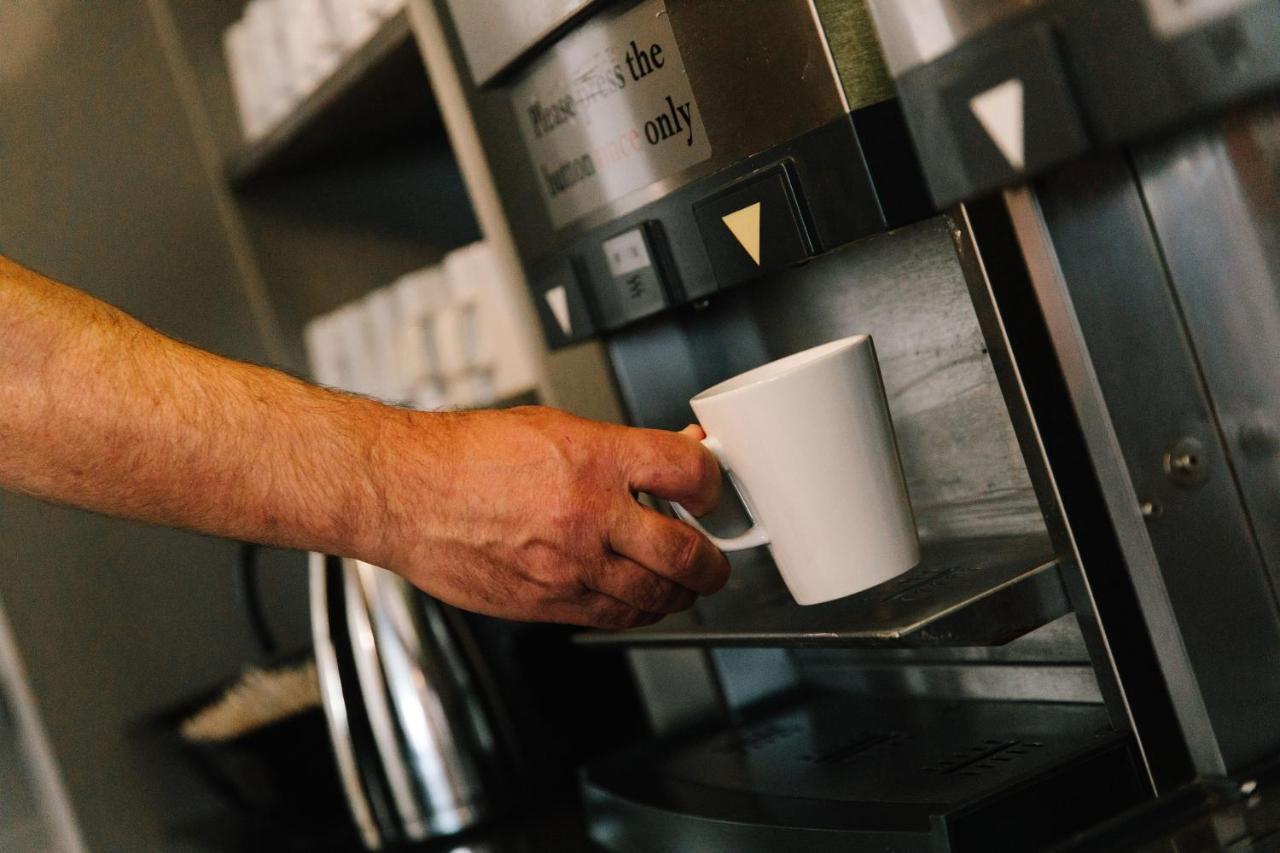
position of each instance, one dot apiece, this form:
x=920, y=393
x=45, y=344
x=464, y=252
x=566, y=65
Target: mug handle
x=751, y=538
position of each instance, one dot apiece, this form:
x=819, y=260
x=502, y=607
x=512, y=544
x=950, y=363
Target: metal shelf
x=377, y=97
x=963, y=593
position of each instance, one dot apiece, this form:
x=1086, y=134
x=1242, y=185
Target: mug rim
x=779, y=368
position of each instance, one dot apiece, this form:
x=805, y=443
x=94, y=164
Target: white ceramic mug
x=808, y=443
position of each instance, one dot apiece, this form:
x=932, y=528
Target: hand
x=531, y=514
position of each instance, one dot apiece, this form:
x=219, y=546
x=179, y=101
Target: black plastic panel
x=1092, y=75
x=844, y=774
x=842, y=193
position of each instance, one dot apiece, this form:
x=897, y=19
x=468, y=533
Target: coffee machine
x=1058, y=221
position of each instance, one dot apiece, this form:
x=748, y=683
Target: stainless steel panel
x=983, y=592
x=1135, y=381
x=1049, y=664
x=679, y=687
x=759, y=79
x=1108, y=462
x=445, y=732
x=608, y=109
x=851, y=38
x=1223, y=257
x=335, y=706
x=750, y=676
x=980, y=263
x=374, y=695
x=962, y=460
x=494, y=33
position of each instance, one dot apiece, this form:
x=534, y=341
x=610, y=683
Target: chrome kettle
x=418, y=740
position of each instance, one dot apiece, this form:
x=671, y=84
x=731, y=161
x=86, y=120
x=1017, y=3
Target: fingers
x=634, y=585
x=694, y=431
x=598, y=610
x=669, y=550
x=673, y=466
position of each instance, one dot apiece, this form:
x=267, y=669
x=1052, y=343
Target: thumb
x=694, y=431
x=674, y=466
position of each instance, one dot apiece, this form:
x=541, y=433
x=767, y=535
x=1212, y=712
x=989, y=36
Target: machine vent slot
x=991, y=754
x=744, y=741
x=854, y=748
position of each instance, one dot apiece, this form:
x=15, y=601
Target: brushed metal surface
x=1113, y=211
x=1223, y=257
x=678, y=686
x=494, y=33
x=993, y=268
x=589, y=107
x=759, y=79
x=962, y=461
x=851, y=39
x=983, y=591
x=439, y=719
x=335, y=706
x=376, y=699
x=1136, y=386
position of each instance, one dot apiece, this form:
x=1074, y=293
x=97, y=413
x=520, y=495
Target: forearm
x=99, y=411
x=528, y=514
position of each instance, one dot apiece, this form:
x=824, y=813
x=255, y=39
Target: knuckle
x=652, y=594
x=613, y=614
x=701, y=468
x=570, y=589
x=686, y=550
x=639, y=618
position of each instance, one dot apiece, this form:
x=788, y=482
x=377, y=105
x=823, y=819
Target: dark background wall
x=101, y=186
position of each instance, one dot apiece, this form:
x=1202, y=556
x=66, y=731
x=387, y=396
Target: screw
x=1151, y=509
x=1184, y=462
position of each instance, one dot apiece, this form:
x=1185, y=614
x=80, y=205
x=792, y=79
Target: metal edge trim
x=430, y=755
x=373, y=691
x=335, y=709
x=1068, y=341
x=971, y=261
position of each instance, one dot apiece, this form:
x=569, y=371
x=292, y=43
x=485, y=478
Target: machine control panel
x=998, y=92
x=632, y=278
x=753, y=228
x=649, y=153
x=562, y=304
x=1005, y=114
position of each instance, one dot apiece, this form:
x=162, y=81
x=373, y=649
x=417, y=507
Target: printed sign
x=607, y=111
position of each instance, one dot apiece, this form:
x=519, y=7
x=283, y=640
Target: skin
x=525, y=513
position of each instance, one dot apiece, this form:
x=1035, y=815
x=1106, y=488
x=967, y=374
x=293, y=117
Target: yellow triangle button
x=745, y=225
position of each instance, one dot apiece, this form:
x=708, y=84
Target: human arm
x=527, y=514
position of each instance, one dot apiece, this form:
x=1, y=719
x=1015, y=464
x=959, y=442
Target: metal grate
x=854, y=748
x=990, y=754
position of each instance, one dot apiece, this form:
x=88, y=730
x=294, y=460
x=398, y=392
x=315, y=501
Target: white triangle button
x=745, y=225
x=558, y=301
x=1000, y=109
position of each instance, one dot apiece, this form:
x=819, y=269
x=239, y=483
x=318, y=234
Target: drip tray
x=858, y=774
x=975, y=592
